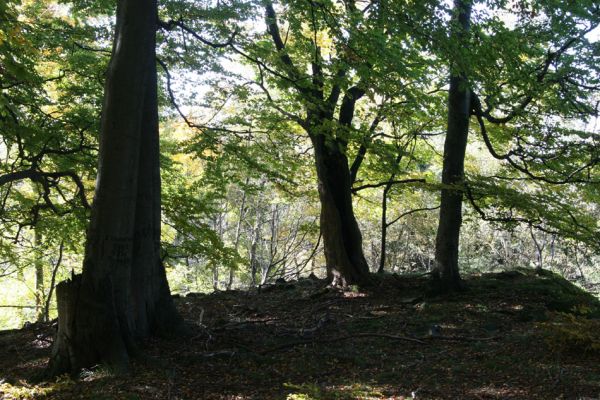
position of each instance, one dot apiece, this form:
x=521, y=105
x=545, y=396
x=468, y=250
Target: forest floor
x=511, y=335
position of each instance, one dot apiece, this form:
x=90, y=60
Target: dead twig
x=240, y=324
x=461, y=338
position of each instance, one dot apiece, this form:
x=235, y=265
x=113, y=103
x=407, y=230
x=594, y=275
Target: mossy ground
x=302, y=341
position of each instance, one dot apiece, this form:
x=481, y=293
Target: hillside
x=511, y=335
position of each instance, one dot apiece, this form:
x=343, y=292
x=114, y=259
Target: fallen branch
x=461, y=338
x=218, y=353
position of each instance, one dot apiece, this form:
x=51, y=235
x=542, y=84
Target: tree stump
x=62, y=358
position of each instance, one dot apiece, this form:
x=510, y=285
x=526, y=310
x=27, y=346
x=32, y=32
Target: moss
x=23, y=391
x=560, y=295
x=545, y=287
x=571, y=333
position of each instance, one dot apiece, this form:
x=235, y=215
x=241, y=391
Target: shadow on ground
x=512, y=335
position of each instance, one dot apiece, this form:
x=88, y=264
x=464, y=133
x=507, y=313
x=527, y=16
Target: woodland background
x=240, y=201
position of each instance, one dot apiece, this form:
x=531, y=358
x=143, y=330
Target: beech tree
x=537, y=95
x=122, y=295
x=318, y=66
x=459, y=111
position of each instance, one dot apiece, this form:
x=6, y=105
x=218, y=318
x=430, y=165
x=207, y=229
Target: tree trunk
x=446, y=273
x=273, y=248
x=53, y=281
x=539, y=250
x=256, y=232
x=219, y=230
x=342, y=240
x=39, y=275
x=384, y=227
x=238, y=232
x=122, y=294
x=384, y=223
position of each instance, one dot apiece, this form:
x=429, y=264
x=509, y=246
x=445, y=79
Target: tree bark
x=342, y=240
x=122, y=295
x=256, y=232
x=384, y=226
x=446, y=273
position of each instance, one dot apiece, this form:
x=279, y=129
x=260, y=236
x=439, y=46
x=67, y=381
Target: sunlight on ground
x=41, y=342
x=25, y=391
x=499, y=392
x=354, y=291
x=308, y=391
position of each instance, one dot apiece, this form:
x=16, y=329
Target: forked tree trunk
x=122, y=294
x=446, y=273
x=539, y=250
x=342, y=240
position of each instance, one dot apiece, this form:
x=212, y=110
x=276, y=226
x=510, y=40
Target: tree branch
x=545, y=67
x=393, y=182
x=47, y=179
x=362, y=150
x=407, y=213
x=168, y=26
x=476, y=108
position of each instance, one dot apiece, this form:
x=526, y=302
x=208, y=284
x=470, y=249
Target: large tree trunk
x=153, y=306
x=446, y=272
x=122, y=294
x=342, y=240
